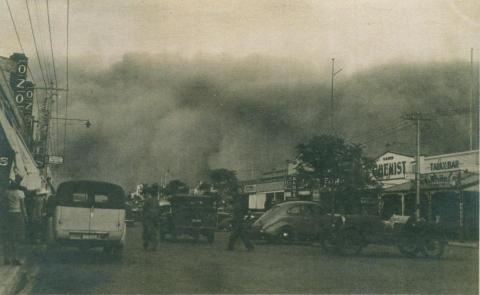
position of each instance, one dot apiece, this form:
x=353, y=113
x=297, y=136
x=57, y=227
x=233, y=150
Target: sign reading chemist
x=391, y=166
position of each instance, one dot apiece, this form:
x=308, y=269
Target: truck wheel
x=351, y=242
x=117, y=251
x=211, y=237
x=432, y=247
x=286, y=235
x=329, y=242
x=408, y=247
x=196, y=236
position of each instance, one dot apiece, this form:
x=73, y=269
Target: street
x=188, y=267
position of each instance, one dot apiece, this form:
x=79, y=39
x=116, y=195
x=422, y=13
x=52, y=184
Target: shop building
x=16, y=126
x=449, y=191
x=276, y=186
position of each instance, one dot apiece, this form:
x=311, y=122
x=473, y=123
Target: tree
x=224, y=182
x=332, y=165
x=175, y=187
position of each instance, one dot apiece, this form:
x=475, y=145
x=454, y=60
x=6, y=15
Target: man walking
x=238, y=224
x=151, y=215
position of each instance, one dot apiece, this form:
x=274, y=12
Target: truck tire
x=211, y=237
x=351, y=242
x=286, y=235
x=432, y=247
x=329, y=242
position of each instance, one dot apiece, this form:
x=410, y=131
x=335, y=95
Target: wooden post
x=429, y=196
x=403, y=203
x=461, y=213
x=380, y=204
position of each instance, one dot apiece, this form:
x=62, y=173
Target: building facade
x=449, y=191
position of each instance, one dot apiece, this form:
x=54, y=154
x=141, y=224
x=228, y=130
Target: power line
x=67, y=86
x=388, y=132
x=35, y=43
x=42, y=45
x=379, y=131
x=18, y=38
x=51, y=45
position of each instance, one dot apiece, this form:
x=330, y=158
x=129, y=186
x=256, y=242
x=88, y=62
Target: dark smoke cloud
x=157, y=112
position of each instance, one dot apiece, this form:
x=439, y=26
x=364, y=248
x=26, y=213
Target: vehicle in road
x=133, y=211
x=88, y=214
x=193, y=216
x=290, y=221
x=411, y=237
x=225, y=222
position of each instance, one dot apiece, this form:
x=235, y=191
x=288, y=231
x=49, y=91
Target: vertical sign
x=18, y=79
x=22, y=90
x=28, y=106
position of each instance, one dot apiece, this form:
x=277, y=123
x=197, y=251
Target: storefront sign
x=392, y=166
x=443, y=179
x=451, y=162
x=18, y=79
x=250, y=188
x=395, y=169
x=23, y=90
x=446, y=165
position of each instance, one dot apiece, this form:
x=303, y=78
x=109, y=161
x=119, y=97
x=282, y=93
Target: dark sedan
x=290, y=221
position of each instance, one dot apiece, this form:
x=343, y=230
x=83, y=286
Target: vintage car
x=349, y=235
x=290, y=221
x=88, y=214
x=189, y=215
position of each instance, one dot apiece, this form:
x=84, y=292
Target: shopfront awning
x=23, y=163
x=455, y=180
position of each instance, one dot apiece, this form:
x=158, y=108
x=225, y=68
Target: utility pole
x=417, y=117
x=332, y=108
x=472, y=97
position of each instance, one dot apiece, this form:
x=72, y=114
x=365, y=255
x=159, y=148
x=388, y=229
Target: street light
x=86, y=121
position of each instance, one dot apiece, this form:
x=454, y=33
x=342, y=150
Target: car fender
x=273, y=228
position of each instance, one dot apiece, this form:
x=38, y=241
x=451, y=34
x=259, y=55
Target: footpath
x=14, y=278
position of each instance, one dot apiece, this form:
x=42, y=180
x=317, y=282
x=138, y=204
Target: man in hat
x=151, y=215
x=38, y=214
x=239, y=229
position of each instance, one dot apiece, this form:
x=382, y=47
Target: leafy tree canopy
x=175, y=187
x=331, y=164
x=224, y=181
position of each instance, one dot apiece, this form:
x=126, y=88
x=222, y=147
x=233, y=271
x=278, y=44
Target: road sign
x=56, y=160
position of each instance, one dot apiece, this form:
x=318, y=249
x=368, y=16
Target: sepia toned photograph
x=239, y=146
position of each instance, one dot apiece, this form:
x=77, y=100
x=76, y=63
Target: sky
x=238, y=83
x=357, y=33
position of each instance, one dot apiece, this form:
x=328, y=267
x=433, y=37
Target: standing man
x=38, y=214
x=238, y=224
x=14, y=220
x=151, y=215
